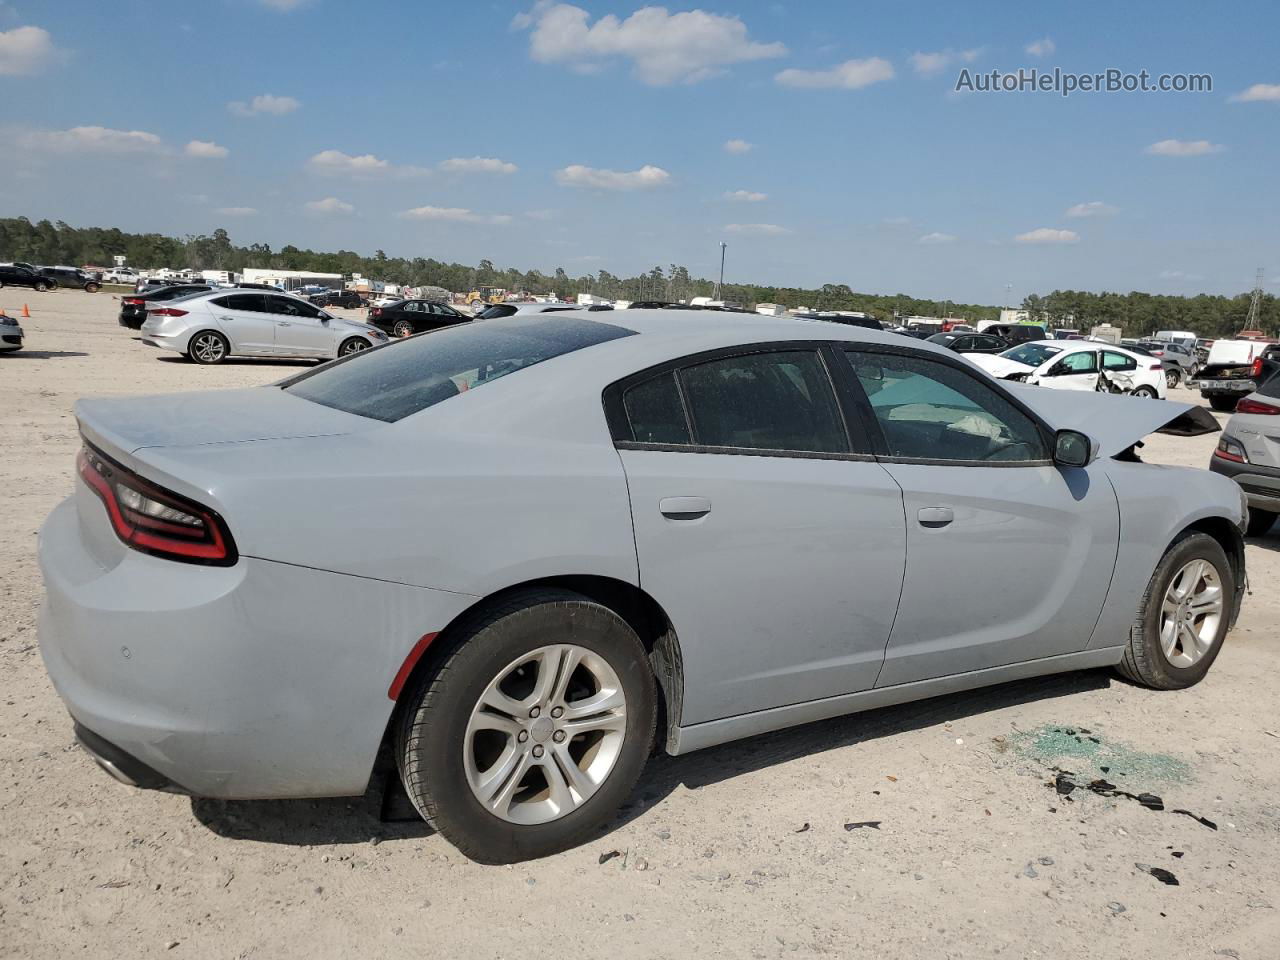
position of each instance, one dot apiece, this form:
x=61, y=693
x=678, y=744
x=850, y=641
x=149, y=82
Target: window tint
x=655, y=412
x=989, y=343
x=496, y=311
x=765, y=401
x=1118, y=361
x=932, y=411
x=962, y=343
x=1084, y=361
x=394, y=381
x=251, y=302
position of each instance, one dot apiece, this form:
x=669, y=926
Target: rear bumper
x=133, y=319
x=1261, y=484
x=253, y=681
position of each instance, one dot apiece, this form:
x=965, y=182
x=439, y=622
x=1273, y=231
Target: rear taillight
x=167, y=312
x=134, y=301
x=155, y=520
x=1249, y=405
x=1156, y=366
x=1229, y=448
x=1256, y=369
x=377, y=311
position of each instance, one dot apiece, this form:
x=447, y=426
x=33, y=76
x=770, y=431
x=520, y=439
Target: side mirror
x=1071, y=448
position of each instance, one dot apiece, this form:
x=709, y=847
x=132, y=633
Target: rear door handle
x=283, y=323
x=684, y=508
x=934, y=517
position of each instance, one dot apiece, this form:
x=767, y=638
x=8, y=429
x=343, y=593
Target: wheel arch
x=640, y=611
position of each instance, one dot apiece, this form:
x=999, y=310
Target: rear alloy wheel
x=1172, y=378
x=1184, y=616
x=208, y=347
x=403, y=328
x=1260, y=522
x=532, y=731
x=1145, y=391
x=354, y=345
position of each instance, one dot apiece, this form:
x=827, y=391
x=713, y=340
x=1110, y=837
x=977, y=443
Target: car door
x=301, y=329
x=983, y=344
x=764, y=529
x=1077, y=370
x=244, y=319
x=1009, y=557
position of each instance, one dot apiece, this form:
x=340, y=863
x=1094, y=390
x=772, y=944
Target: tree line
x=48, y=243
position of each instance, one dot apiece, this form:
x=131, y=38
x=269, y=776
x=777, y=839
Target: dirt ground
x=747, y=850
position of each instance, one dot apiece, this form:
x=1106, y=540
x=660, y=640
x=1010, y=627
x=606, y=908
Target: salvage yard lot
x=944, y=829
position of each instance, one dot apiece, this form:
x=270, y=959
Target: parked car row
x=10, y=334
x=47, y=278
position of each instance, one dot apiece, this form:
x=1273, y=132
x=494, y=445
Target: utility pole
x=718, y=293
x=1254, y=320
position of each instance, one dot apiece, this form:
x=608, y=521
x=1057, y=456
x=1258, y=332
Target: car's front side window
x=929, y=410
x=1083, y=361
x=779, y=401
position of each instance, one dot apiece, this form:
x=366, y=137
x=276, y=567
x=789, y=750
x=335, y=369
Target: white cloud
x=93, y=140
x=737, y=146
x=453, y=215
x=1047, y=236
x=284, y=6
x=936, y=239
x=236, y=211
x=928, y=64
x=205, y=150
x=1043, y=47
x=26, y=50
x=1183, y=148
x=477, y=165
x=335, y=161
x=745, y=196
x=664, y=47
x=1259, y=92
x=756, y=229
x=576, y=175
x=1094, y=208
x=264, y=103
x=328, y=205
x=850, y=75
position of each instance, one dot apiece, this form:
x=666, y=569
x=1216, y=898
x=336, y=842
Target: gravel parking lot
x=932, y=829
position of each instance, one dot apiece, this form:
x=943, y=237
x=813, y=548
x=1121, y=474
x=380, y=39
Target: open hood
x=1115, y=421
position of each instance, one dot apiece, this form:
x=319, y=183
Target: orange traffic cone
x=2, y=313
x=25, y=312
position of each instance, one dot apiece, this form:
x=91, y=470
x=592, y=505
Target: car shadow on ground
x=43, y=354
x=359, y=819
x=250, y=361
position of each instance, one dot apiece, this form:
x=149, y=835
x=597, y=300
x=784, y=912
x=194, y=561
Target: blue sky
x=594, y=135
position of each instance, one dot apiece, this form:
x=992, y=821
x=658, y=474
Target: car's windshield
x=1032, y=354
x=394, y=381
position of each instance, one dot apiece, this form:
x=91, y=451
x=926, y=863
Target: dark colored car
x=133, y=310
x=72, y=278
x=337, y=298
x=963, y=342
x=1017, y=333
x=22, y=275
x=849, y=319
x=407, y=317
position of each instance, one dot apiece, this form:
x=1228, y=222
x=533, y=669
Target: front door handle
x=283, y=323
x=934, y=517
x=684, y=508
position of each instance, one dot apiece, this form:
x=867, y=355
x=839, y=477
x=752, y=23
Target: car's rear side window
x=778, y=400
x=400, y=379
x=655, y=411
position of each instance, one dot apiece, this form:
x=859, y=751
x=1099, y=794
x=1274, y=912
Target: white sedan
x=1077, y=365
x=209, y=326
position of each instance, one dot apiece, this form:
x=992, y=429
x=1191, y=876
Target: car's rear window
x=400, y=379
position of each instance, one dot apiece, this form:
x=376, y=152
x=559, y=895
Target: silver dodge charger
x=525, y=553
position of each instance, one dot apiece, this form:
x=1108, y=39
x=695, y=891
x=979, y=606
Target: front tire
x=208, y=347
x=91, y=288
x=532, y=731
x=353, y=345
x=1184, y=616
x=41, y=287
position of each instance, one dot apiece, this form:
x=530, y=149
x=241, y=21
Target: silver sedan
x=586, y=535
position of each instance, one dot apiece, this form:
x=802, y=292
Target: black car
x=1017, y=333
x=337, y=298
x=964, y=342
x=71, y=278
x=407, y=317
x=23, y=275
x=133, y=310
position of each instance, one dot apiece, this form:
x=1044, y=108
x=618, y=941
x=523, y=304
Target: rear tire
x=91, y=288
x=1164, y=662
x=448, y=758
x=208, y=347
x=1260, y=522
x=1224, y=404
x=1172, y=378
x=1145, y=392
x=403, y=328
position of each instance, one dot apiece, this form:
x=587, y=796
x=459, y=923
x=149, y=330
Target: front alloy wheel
x=354, y=345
